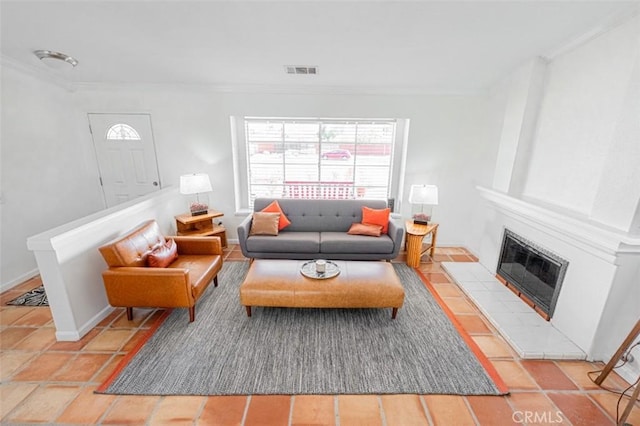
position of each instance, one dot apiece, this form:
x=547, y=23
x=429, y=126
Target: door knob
x=155, y=183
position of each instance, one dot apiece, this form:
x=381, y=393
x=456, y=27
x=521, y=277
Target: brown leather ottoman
x=360, y=284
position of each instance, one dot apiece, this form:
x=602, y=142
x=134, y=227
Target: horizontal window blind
x=316, y=158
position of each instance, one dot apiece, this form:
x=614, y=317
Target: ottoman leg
x=394, y=313
x=248, y=310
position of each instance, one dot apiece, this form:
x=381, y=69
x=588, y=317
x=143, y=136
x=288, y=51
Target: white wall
x=45, y=137
x=48, y=175
x=447, y=138
x=589, y=112
x=524, y=93
x=616, y=200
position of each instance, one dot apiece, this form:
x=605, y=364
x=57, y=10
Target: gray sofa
x=319, y=230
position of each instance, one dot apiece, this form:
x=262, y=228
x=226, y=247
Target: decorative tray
x=308, y=269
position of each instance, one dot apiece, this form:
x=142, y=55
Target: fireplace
x=533, y=271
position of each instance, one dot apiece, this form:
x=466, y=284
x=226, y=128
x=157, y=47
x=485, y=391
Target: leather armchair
x=130, y=283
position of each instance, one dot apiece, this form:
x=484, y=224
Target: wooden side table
x=414, y=238
x=201, y=226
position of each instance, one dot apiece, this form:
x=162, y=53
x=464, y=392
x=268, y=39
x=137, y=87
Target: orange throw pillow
x=363, y=229
x=274, y=207
x=164, y=255
x=376, y=217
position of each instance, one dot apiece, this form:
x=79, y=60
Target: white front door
x=126, y=155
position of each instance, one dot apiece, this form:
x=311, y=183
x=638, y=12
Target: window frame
x=131, y=133
x=241, y=159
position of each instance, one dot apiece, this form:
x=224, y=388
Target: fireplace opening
x=534, y=271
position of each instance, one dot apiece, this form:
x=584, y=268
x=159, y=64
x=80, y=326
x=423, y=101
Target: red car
x=336, y=154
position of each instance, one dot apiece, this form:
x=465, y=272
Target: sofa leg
x=192, y=313
x=130, y=314
x=215, y=281
x=394, y=313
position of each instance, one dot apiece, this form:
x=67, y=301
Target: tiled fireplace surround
x=597, y=304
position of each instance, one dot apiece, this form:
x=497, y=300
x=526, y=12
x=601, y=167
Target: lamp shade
x=195, y=183
x=423, y=194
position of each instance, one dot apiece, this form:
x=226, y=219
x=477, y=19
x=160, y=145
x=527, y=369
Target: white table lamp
x=423, y=195
x=196, y=183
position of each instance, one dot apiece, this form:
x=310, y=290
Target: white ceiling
x=378, y=46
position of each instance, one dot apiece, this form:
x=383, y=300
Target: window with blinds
x=316, y=158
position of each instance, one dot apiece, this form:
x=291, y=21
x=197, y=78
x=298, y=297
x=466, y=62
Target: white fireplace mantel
x=597, y=239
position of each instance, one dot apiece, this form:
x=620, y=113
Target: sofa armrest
x=145, y=286
x=396, y=233
x=243, y=233
x=198, y=245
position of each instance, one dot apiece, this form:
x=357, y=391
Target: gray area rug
x=35, y=297
x=304, y=351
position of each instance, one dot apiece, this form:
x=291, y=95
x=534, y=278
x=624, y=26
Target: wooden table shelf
x=201, y=226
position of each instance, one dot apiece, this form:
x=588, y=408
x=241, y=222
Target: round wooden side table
x=413, y=243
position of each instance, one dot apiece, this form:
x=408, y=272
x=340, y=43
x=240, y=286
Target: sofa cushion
x=341, y=242
x=265, y=224
x=376, y=217
x=202, y=269
x=365, y=229
x=286, y=242
x=274, y=207
x=163, y=256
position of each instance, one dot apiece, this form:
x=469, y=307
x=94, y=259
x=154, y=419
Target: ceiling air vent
x=301, y=69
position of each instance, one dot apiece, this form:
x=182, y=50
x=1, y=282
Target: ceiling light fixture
x=56, y=56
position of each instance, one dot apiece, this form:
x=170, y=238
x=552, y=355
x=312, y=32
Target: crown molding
x=36, y=72
x=597, y=238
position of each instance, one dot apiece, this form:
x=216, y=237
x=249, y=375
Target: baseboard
x=19, y=280
x=67, y=336
x=74, y=336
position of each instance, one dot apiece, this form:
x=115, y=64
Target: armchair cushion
x=163, y=256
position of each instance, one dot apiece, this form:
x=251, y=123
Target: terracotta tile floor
x=44, y=381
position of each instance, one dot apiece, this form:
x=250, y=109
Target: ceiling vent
x=301, y=69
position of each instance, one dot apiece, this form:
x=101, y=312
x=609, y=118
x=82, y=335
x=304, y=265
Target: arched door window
x=122, y=132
